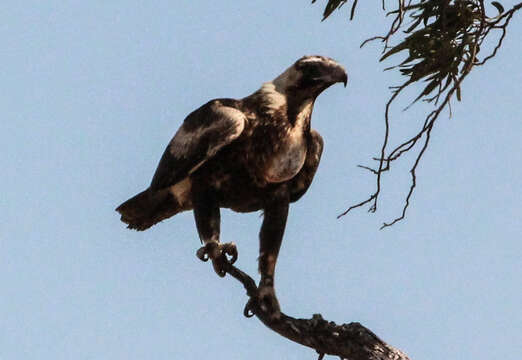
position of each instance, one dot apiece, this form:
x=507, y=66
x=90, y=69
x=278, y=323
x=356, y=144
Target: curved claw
x=248, y=311
x=230, y=249
x=202, y=254
x=220, y=254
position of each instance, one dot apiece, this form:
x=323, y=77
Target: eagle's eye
x=312, y=72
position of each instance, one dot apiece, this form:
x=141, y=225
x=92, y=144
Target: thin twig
x=445, y=48
x=471, y=39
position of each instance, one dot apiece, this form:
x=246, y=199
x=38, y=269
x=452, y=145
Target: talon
x=202, y=254
x=248, y=311
x=230, y=249
x=220, y=254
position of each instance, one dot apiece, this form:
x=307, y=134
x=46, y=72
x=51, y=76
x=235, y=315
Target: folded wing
x=203, y=133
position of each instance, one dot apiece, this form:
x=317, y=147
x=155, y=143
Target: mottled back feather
x=203, y=133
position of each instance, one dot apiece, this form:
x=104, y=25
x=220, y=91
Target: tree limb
x=348, y=341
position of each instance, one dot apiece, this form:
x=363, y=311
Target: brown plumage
x=256, y=153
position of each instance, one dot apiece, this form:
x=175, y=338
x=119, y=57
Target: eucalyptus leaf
x=331, y=6
x=403, y=45
x=499, y=7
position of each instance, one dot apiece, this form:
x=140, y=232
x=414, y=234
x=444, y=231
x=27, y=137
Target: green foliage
x=443, y=39
x=331, y=6
x=442, y=43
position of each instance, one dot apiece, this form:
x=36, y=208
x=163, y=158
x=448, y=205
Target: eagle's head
x=309, y=76
x=298, y=86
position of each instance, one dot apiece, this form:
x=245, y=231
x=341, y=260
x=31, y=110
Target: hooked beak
x=342, y=76
x=335, y=75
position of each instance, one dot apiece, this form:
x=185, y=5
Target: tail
x=148, y=208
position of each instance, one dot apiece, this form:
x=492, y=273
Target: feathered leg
x=271, y=235
x=208, y=219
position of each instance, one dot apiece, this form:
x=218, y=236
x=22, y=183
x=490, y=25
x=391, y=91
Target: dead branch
x=348, y=341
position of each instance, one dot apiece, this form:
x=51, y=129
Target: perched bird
x=256, y=153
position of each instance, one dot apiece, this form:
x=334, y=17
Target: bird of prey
x=255, y=153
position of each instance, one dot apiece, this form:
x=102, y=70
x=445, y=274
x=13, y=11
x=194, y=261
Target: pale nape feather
x=274, y=98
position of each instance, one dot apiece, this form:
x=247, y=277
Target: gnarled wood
x=348, y=341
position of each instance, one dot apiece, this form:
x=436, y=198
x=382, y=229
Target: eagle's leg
x=270, y=237
x=207, y=216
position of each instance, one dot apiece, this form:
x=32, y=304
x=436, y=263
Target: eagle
x=255, y=153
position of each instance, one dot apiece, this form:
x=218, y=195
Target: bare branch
x=348, y=341
x=374, y=197
x=362, y=203
x=368, y=168
x=413, y=180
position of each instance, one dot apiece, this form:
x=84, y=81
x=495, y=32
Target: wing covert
x=203, y=133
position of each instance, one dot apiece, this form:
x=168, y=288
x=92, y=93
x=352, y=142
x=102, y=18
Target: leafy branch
x=443, y=41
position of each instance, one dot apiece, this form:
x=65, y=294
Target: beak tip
x=345, y=79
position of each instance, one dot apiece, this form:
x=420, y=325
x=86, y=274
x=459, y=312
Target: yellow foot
x=220, y=254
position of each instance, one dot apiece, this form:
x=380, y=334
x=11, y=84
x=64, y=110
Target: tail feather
x=148, y=208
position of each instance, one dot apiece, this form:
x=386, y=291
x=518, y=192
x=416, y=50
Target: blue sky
x=92, y=91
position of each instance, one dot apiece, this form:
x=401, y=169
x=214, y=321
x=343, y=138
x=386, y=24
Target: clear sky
x=91, y=92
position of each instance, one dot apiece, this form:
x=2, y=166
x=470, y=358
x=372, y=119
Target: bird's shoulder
x=203, y=133
x=216, y=110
